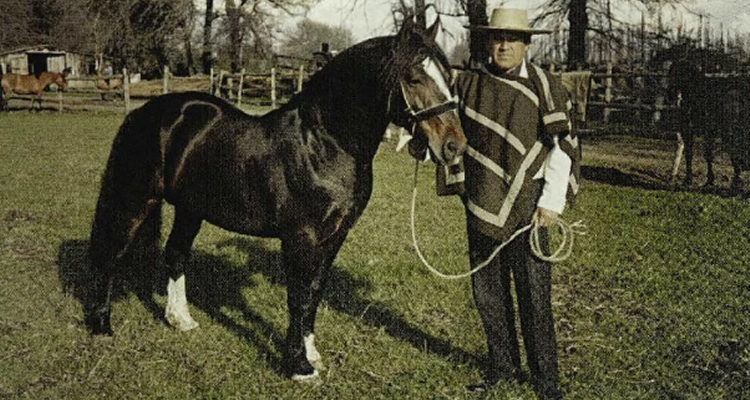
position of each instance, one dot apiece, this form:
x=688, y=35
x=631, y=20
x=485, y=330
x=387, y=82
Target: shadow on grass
x=649, y=180
x=616, y=177
x=214, y=283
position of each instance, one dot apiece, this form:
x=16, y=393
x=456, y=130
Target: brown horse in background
x=33, y=85
x=109, y=88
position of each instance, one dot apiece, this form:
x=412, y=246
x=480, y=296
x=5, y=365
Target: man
x=521, y=161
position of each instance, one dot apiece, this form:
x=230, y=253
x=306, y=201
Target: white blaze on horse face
x=177, y=313
x=432, y=70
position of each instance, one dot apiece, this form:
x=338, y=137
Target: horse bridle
x=413, y=117
x=427, y=113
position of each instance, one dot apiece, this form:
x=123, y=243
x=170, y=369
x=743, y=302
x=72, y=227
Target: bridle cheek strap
x=413, y=117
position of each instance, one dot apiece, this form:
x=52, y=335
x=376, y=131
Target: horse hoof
x=182, y=324
x=305, y=378
x=182, y=321
x=99, y=325
x=186, y=326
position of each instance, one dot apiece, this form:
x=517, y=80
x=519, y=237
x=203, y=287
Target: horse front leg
x=708, y=155
x=177, y=254
x=98, y=305
x=306, y=264
x=689, y=141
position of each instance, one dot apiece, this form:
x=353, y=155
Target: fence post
x=217, y=88
x=300, y=78
x=639, y=101
x=165, y=86
x=211, y=81
x=59, y=100
x=607, y=92
x=273, y=87
x=239, y=88
x=126, y=89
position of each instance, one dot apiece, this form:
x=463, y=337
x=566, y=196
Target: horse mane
x=369, y=68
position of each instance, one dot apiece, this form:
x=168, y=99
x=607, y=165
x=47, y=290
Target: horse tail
x=128, y=211
x=132, y=186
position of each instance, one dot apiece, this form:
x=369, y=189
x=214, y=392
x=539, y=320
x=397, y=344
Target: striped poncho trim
x=502, y=119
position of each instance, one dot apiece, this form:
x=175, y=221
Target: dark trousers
x=493, y=298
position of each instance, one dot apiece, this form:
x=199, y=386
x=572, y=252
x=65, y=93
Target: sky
x=369, y=18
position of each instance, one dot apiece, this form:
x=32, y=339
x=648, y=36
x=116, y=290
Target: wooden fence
x=610, y=97
x=234, y=87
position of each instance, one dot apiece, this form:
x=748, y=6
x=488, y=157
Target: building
x=38, y=59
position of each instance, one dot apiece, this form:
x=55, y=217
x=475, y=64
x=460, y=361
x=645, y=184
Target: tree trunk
x=189, y=64
x=207, y=54
x=477, y=11
x=419, y=10
x=234, y=14
x=579, y=23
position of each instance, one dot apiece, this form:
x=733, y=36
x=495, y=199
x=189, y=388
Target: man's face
x=508, y=49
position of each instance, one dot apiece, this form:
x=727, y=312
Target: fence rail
x=642, y=93
x=232, y=86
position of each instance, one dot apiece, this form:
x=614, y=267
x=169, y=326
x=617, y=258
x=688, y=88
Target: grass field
x=654, y=303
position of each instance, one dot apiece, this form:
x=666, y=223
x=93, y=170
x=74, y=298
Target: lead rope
x=564, y=250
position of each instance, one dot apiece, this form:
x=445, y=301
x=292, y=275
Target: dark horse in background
x=31, y=85
x=712, y=102
x=302, y=173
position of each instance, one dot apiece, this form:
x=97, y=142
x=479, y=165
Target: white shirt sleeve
x=556, y=173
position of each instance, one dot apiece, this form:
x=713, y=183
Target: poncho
x=509, y=123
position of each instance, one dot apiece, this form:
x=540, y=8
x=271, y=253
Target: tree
x=253, y=22
x=308, y=35
x=15, y=18
x=477, y=12
x=593, y=16
x=579, y=22
x=207, y=54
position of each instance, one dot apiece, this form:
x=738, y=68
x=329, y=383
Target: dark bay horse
x=33, y=85
x=302, y=173
x=711, y=104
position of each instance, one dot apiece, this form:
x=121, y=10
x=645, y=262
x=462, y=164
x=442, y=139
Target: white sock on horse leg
x=177, y=313
x=310, y=351
x=313, y=357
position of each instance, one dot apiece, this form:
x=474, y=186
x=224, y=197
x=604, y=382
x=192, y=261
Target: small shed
x=38, y=59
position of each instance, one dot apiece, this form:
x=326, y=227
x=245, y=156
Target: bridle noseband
x=412, y=117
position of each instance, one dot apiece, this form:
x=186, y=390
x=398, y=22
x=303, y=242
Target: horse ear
x=407, y=28
x=432, y=31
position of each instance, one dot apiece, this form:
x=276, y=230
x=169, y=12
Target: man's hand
x=545, y=218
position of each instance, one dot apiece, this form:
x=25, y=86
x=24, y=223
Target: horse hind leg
x=689, y=142
x=708, y=155
x=736, y=185
x=177, y=253
x=306, y=266
x=112, y=236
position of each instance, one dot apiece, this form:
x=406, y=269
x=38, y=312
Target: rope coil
x=563, y=251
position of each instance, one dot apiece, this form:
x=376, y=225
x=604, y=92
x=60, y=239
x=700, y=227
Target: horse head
x=61, y=79
x=429, y=107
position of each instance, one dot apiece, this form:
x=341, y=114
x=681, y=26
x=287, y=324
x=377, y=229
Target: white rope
x=564, y=250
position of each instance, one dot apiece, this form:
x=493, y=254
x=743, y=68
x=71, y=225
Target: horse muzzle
x=453, y=148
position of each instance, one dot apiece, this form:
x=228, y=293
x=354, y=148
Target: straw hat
x=509, y=19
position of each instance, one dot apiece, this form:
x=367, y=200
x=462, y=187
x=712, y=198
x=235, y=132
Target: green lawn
x=653, y=304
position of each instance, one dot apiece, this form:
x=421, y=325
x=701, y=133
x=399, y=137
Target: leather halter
x=412, y=116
